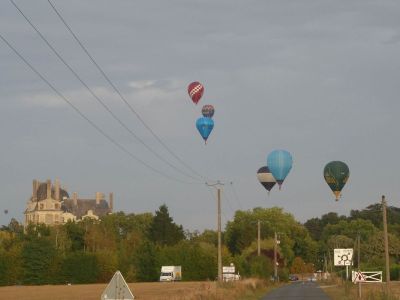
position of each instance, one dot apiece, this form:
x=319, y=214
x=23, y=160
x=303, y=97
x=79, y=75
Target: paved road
x=297, y=291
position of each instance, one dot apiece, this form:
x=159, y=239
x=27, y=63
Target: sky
x=317, y=78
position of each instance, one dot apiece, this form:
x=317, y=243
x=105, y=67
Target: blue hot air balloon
x=279, y=163
x=205, y=126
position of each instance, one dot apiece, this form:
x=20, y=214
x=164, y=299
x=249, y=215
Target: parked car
x=312, y=279
x=293, y=277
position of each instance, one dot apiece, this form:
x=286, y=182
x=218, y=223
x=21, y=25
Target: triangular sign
x=359, y=277
x=117, y=289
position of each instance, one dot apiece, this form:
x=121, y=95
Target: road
x=298, y=291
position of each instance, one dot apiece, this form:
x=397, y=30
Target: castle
x=51, y=205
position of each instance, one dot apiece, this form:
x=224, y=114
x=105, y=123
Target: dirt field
x=141, y=291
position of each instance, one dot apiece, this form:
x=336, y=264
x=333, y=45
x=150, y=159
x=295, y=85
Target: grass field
x=371, y=291
x=243, y=290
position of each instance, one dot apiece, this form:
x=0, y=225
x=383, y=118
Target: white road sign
x=366, y=276
x=117, y=289
x=342, y=257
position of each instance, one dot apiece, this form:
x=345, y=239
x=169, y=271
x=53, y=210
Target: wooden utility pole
x=275, y=258
x=219, y=238
x=217, y=186
x=258, y=238
x=385, y=233
x=358, y=264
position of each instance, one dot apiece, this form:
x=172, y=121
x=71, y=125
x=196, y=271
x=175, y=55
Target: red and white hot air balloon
x=195, y=90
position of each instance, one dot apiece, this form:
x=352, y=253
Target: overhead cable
x=131, y=109
x=76, y=75
x=102, y=132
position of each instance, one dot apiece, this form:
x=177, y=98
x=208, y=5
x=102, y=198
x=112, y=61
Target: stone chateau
x=50, y=204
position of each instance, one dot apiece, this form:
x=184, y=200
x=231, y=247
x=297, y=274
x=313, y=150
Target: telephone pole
x=358, y=264
x=217, y=186
x=275, y=257
x=385, y=233
x=258, y=238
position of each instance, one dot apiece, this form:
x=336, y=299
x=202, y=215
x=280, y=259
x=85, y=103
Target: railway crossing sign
x=117, y=289
x=366, y=276
x=343, y=257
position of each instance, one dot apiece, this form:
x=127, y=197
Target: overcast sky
x=317, y=78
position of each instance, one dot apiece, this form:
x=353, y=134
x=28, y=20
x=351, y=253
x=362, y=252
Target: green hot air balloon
x=336, y=174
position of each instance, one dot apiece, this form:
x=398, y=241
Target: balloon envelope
x=266, y=178
x=195, y=91
x=336, y=174
x=208, y=111
x=279, y=163
x=205, y=126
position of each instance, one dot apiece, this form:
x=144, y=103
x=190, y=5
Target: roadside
x=337, y=289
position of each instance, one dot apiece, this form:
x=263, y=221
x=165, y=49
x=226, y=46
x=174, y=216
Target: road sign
x=357, y=277
x=228, y=269
x=117, y=289
x=366, y=276
x=343, y=257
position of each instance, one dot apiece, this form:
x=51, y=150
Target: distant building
x=51, y=205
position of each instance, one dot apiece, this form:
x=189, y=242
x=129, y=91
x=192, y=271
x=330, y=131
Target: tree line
x=138, y=245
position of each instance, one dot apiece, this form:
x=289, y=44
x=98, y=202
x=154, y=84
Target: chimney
x=75, y=198
x=48, y=189
x=99, y=196
x=34, y=190
x=111, y=203
x=57, y=184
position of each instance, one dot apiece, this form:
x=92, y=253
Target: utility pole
x=219, y=238
x=258, y=238
x=217, y=186
x=385, y=233
x=358, y=264
x=275, y=257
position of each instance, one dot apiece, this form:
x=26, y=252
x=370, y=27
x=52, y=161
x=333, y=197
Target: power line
x=132, y=110
x=98, y=98
x=235, y=195
x=102, y=132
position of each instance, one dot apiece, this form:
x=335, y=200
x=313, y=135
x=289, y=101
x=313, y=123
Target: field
x=246, y=289
x=372, y=291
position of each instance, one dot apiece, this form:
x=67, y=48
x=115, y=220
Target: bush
x=261, y=267
x=80, y=267
x=395, y=272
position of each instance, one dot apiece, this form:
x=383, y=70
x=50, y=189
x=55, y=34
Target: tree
x=76, y=233
x=163, y=230
x=298, y=266
x=261, y=267
x=145, y=262
x=38, y=255
x=80, y=267
x=314, y=227
x=350, y=229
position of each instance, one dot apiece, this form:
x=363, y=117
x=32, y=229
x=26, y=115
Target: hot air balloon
x=208, y=111
x=195, y=90
x=279, y=163
x=6, y=211
x=266, y=179
x=205, y=126
x=336, y=174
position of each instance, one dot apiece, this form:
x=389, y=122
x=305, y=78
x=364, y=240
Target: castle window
x=41, y=206
x=57, y=206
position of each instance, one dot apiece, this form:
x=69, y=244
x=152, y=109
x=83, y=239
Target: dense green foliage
x=139, y=244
